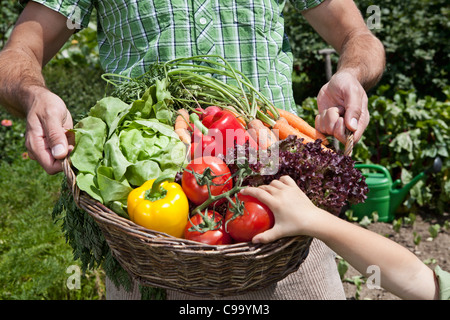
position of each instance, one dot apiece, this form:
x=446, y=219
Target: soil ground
x=432, y=251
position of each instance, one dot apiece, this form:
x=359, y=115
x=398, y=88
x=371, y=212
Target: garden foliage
x=410, y=117
x=415, y=35
x=405, y=134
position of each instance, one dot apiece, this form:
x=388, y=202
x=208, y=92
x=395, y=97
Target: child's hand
x=294, y=212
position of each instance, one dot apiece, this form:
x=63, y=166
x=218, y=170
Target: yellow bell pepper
x=161, y=205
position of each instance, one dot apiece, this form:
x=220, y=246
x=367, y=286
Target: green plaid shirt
x=249, y=34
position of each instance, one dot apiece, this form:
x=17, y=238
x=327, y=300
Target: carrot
x=267, y=125
x=263, y=136
x=239, y=117
x=182, y=120
x=302, y=126
x=284, y=130
x=182, y=126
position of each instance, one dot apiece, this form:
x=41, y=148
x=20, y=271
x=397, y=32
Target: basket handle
x=349, y=143
x=71, y=179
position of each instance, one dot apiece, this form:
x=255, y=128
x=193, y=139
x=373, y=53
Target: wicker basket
x=157, y=259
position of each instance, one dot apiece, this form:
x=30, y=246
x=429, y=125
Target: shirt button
x=203, y=20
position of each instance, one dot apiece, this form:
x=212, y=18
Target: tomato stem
x=212, y=198
x=241, y=173
x=208, y=224
x=207, y=177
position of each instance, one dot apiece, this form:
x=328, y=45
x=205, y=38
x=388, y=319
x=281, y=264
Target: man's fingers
x=330, y=122
x=362, y=121
x=342, y=91
x=47, y=123
x=353, y=107
x=39, y=150
x=55, y=135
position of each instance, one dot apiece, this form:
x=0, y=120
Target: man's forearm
x=19, y=75
x=37, y=35
x=363, y=55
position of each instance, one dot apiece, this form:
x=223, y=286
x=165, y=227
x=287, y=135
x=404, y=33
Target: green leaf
x=136, y=144
x=86, y=183
x=162, y=112
x=140, y=109
x=402, y=142
x=111, y=189
x=115, y=158
x=162, y=94
x=141, y=171
x=156, y=126
x=342, y=268
x=108, y=110
x=434, y=230
x=90, y=135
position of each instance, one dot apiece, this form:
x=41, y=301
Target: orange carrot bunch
x=182, y=126
x=302, y=126
x=261, y=134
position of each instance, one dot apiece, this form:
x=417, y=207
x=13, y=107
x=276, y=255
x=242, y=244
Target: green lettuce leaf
x=120, y=146
x=90, y=136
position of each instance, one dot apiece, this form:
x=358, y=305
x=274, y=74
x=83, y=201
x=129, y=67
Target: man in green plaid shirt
x=249, y=34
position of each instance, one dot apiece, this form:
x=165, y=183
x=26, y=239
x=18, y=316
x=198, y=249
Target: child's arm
x=402, y=273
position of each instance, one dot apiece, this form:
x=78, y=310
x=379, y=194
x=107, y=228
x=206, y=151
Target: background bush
x=9, y=12
x=415, y=35
x=405, y=134
x=409, y=107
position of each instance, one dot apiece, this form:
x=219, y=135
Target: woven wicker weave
x=160, y=260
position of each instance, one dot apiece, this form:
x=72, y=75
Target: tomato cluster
x=242, y=218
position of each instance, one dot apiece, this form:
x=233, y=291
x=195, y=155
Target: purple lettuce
x=328, y=178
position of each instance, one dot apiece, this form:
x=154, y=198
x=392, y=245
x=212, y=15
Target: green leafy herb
x=89, y=246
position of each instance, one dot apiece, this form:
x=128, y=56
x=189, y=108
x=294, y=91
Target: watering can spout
x=397, y=194
x=385, y=196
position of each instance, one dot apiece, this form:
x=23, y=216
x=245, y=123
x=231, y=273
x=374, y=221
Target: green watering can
x=385, y=196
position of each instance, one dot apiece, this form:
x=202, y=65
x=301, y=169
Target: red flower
x=6, y=123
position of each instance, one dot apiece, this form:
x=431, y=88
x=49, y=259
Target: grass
x=34, y=256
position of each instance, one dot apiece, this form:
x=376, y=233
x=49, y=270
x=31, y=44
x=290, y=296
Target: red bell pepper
x=200, y=142
x=225, y=124
x=223, y=131
x=209, y=114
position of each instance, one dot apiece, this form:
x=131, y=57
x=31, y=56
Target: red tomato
x=212, y=227
x=256, y=218
x=199, y=193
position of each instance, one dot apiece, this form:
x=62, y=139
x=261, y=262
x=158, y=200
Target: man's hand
x=342, y=103
x=47, y=123
x=37, y=36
